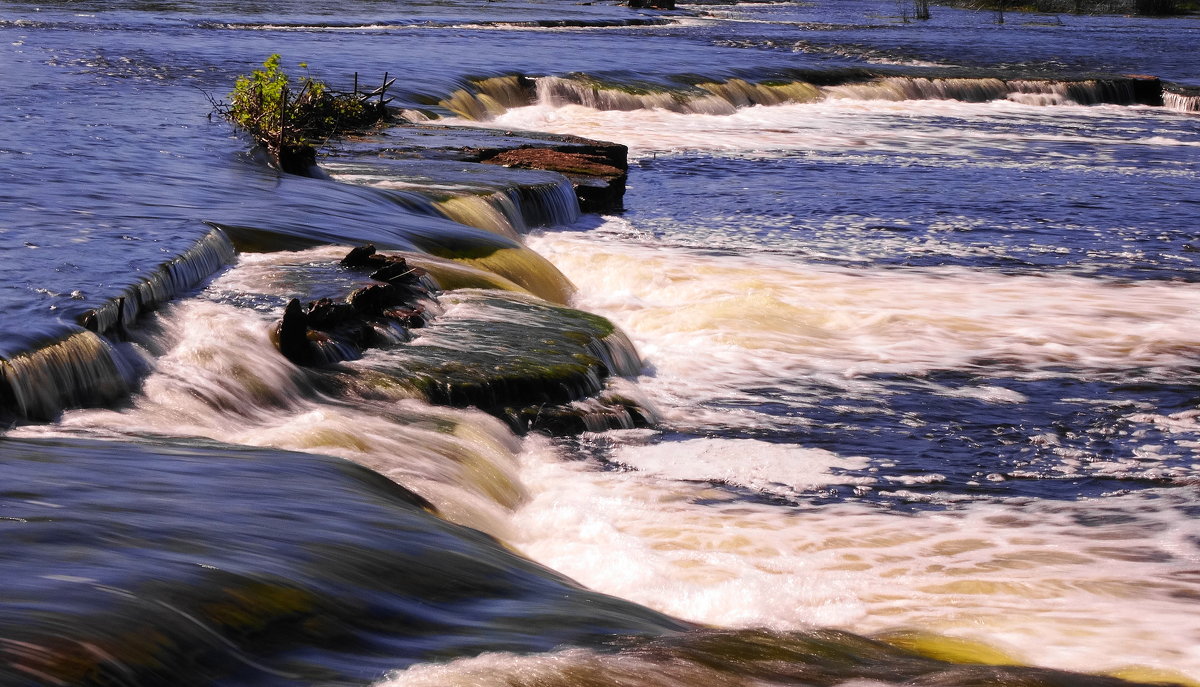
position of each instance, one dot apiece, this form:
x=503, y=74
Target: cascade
x=740, y=93
x=911, y=88
x=81, y=367
x=1181, y=102
x=514, y=211
x=545, y=205
x=173, y=277
x=78, y=369
x=494, y=212
x=727, y=96
x=487, y=98
x=557, y=92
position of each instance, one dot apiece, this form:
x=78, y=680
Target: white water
x=1094, y=586
x=1081, y=585
x=1091, y=586
x=926, y=129
x=217, y=375
x=713, y=325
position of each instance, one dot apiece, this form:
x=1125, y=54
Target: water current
x=886, y=374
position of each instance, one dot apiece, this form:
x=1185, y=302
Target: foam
x=735, y=321
x=219, y=377
x=855, y=125
x=1092, y=585
x=758, y=465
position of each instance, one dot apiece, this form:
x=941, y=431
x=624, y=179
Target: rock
x=291, y=334
x=362, y=256
x=596, y=168
x=328, y=331
x=652, y=4
x=398, y=271
x=599, y=183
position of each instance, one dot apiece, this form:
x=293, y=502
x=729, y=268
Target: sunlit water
x=920, y=366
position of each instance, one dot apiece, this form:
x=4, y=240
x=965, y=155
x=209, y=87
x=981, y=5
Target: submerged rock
x=539, y=366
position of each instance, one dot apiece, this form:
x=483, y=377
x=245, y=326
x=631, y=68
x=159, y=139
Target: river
x=893, y=380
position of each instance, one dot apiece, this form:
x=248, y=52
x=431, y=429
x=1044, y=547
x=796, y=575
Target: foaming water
x=953, y=385
x=852, y=122
x=912, y=183
x=909, y=417
x=217, y=375
x=1092, y=586
x=80, y=368
x=691, y=311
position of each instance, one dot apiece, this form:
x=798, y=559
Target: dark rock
x=326, y=314
x=362, y=256
x=291, y=334
x=397, y=271
x=375, y=299
x=329, y=331
x=652, y=4
x=413, y=318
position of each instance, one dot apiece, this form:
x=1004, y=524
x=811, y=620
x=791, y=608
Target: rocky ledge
x=597, y=170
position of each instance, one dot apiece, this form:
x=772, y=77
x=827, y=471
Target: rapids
x=886, y=374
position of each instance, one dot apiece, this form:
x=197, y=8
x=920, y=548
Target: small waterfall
x=80, y=368
x=514, y=211
x=546, y=205
x=727, y=96
x=168, y=280
x=507, y=91
x=494, y=212
x=557, y=92
x=739, y=93
x=523, y=267
x=487, y=98
x=712, y=97
x=1181, y=102
x=909, y=88
x=617, y=352
x=1034, y=92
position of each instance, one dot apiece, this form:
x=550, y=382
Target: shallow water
x=921, y=352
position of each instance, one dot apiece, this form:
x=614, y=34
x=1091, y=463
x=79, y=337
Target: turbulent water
x=888, y=370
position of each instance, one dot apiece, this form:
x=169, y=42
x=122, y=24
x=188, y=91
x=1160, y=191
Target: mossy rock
x=504, y=352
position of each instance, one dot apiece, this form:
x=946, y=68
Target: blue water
x=1036, y=407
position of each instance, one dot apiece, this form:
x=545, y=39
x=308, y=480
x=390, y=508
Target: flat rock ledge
x=597, y=169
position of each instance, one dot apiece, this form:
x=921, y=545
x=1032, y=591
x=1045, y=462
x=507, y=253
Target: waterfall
x=80, y=368
x=1181, y=102
x=488, y=99
x=494, y=212
x=173, y=277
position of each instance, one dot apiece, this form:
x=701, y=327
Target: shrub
x=289, y=124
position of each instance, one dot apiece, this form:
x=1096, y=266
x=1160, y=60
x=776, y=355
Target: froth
x=1091, y=586
x=759, y=465
x=906, y=126
x=738, y=321
x=219, y=377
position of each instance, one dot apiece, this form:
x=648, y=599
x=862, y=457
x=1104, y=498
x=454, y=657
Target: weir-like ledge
x=76, y=365
x=597, y=170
